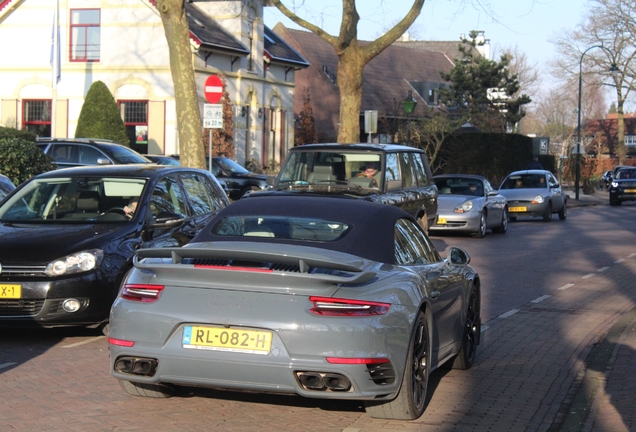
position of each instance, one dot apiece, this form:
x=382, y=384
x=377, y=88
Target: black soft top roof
x=371, y=236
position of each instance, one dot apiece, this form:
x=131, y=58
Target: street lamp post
x=409, y=106
x=613, y=68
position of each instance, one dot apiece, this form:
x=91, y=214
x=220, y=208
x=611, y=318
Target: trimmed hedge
x=22, y=159
x=100, y=117
x=492, y=155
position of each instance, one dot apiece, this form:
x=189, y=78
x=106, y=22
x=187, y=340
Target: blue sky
x=527, y=24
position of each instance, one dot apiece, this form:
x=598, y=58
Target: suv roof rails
x=83, y=140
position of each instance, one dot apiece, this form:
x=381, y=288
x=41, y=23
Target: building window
x=36, y=117
x=630, y=140
x=250, y=56
x=135, y=117
x=85, y=35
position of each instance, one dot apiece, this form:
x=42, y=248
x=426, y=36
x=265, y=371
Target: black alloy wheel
x=503, y=228
x=411, y=399
x=472, y=328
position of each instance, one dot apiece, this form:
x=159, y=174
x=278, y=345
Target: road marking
x=6, y=365
x=540, y=299
x=619, y=261
x=631, y=255
x=96, y=338
x=564, y=287
x=484, y=328
x=587, y=276
x=602, y=269
x=510, y=313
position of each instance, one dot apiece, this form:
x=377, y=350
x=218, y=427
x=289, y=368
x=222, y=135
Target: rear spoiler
x=304, y=263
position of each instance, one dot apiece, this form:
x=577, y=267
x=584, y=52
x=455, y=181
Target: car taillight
x=352, y=360
x=120, y=342
x=345, y=307
x=141, y=292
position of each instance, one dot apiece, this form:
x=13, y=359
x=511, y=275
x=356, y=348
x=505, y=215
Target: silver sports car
x=468, y=203
x=534, y=193
x=322, y=297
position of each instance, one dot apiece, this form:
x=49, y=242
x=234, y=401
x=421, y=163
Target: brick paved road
x=529, y=367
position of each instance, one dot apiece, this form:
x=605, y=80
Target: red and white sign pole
x=213, y=91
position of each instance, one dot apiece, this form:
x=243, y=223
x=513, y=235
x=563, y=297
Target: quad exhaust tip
x=136, y=366
x=323, y=381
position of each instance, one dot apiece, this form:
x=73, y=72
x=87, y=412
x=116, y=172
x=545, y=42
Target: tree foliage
x=306, y=125
x=483, y=90
x=22, y=159
x=430, y=133
x=610, y=28
x=223, y=138
x=352, y=57
x=100, y=118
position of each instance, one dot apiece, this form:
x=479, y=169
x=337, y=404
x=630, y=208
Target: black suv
x=72, y=152
x=384, y=173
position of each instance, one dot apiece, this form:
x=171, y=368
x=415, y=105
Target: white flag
x=56, y=74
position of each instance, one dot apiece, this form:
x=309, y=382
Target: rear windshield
x=305, y=229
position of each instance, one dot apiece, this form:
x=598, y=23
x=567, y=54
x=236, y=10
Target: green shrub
x=22, y=159
x=100, y=117
x=16, y=133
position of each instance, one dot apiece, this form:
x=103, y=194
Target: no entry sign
x=213, y=89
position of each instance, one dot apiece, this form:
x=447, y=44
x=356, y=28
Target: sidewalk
x=600, y=197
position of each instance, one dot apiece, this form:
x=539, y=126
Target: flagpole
x=55, y=73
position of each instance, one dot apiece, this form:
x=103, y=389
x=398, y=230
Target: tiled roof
x=279, y=51
x=387, y=78
x=209, y=33
x=450, y=48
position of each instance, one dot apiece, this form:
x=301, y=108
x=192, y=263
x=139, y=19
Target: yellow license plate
x=517, y=209
x=630, y=190
x=10, y=291
x=227, y=339
x=441, y=221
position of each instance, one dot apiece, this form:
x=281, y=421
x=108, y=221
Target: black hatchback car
x=73, y=152
x=384, y=173
x=67, y=237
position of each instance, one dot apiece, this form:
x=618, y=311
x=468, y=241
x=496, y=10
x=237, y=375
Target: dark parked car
x=384, y=173
x=72, y=152
x=316, y=296
x=469, y=204
x=623, y=186
x=6, y=186
x=162, y=160
x=606, y=180
x=239, y=180
x=67, y=237
x=534, y=193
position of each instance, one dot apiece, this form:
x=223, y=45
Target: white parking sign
x=212, y=116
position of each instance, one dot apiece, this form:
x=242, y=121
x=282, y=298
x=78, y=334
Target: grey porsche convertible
x=322, y=297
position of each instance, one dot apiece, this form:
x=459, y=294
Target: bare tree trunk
x=177, y=32
x=352, y=58
x=350, y=86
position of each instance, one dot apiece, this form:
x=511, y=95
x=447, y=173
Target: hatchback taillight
x=346, y=307
x=141, y=292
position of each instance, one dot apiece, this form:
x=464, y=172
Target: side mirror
x=102, y=161
x=493, y=193
x=458, y=256
x=166, y=220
